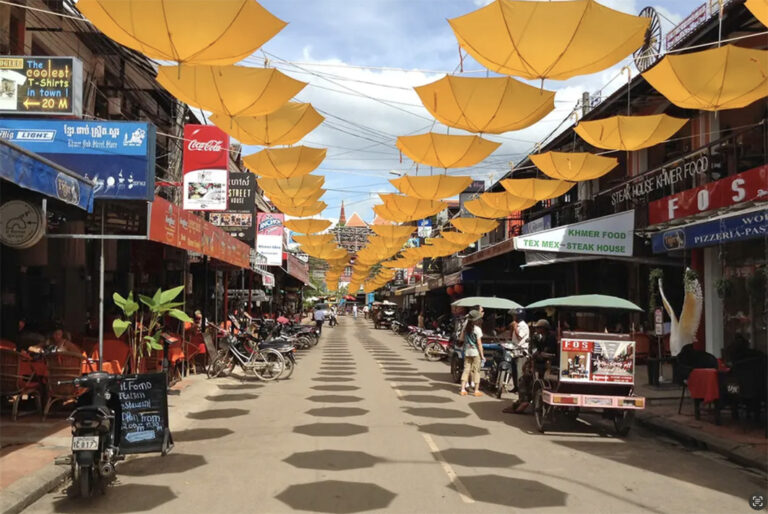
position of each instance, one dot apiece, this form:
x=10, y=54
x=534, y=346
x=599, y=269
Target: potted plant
x=724, y=287
x=144, y=326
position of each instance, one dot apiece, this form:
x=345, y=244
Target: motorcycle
x=94, y=449
x=332, y=321
x=266, y=364
x=437, y=347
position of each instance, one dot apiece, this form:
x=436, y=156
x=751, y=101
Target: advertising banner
x=269, y=238
x=425, y=228
x=537, y=225
x=237, y=220
x=749, y=225
x=41, y=85
x=609, y=235
x=597, y=361
x=743, y=187
x=206, y=158
x=118, y=156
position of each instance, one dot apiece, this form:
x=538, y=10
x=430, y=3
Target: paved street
x=367, y=424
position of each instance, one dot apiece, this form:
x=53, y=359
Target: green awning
x=588, y=301
x=487, y=302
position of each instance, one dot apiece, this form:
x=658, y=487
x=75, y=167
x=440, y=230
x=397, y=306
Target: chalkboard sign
x=143, y=414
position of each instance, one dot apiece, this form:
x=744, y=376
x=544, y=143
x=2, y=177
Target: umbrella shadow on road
x=336, y=496
x=425, y=398
x=444, y=377
x=330, y=429
x=337, y=412
x=161, y=465
x=453, y=430
x=512, y=492
x=234, y=397
x=218, y=413
x=334, y=398
x=333, y=460
x=333, y=379
x=239, y=387
x=120, y=498
x=334, y=387
x=435, y=412
x=478, y=458
x=200, y=434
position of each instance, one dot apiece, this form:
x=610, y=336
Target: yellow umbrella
x=302, y=211
x=285, y=162
x=557, y=40
x=285, y=126
x=220, y=32
x=310, y=226
x=483, y=210
x=759, y=9
x=460, y=238
x=230, y=90
x=433, y=187
x=412, y=208
x=729, y=77
x=629, y=132
x=305, y=199
x=393, y=230
x=315, y=240
x=446, y=151
x=506, y=202
x=324, y=252
x=491, y=105
x=395, y=264
x=296, y=188
x=536, y=188
x=573, y=166
x=474, y=225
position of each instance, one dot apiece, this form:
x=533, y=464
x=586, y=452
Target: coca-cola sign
x=206, y=158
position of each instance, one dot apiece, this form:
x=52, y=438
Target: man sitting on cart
x=544, y=350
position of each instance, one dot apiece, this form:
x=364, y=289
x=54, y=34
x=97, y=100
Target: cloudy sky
x=362, y=59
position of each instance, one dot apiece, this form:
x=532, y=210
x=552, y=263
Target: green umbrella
x=589, y=301
x=487, y=302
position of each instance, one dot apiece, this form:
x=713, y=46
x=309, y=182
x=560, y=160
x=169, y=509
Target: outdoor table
x=704, y=387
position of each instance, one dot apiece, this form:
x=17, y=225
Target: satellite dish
x=650, y=52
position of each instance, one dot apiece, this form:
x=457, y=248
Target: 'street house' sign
x=609, y=235
x=41, y=85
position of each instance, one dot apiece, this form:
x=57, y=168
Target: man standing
x=521, y=335
x=354, y=311
x=319, y=318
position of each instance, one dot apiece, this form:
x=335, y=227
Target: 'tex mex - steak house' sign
x=609, y=235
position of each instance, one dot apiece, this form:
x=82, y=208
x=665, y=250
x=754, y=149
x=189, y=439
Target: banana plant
x=144, y=326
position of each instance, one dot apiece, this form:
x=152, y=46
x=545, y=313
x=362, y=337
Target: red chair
x=62, y=366
x=5, y=344
x=14, y=384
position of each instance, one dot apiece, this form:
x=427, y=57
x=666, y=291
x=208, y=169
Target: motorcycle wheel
x=268, y=365
x=539, y=409
x=501, y=383
x=303, y=342
x=288, y=368
x=456, y=369
x=85, y=481
x=433, y=352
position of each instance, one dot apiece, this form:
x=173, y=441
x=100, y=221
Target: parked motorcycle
x=437, y=347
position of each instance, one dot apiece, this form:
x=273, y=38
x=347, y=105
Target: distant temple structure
x=352, y=233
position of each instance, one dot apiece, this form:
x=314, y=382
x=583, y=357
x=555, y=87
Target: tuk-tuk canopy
x=487, y=302
x=589, y=301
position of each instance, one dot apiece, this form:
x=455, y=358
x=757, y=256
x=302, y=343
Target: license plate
x=85, y=443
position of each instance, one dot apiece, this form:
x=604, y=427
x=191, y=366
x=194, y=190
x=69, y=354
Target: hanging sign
x=750, y=225
x=206, y=160
x=269, y=239
x=21, y=224
x=609, y=235
x=744, y=187
x=237, y=220
x=425, y=228
x=41, y=85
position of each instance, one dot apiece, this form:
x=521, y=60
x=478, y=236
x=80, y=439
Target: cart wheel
x=622, y=421
x=456, y=368
x=540, y=410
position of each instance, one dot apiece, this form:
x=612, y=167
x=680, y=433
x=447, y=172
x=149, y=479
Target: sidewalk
x=29, y=446
x=741, y=441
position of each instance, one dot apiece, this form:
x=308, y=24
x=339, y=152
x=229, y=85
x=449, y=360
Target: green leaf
x=155, y=346
x=158, y=294
x=119, y=326
x=119, y=300
x=179, y=315
x=146, y=300
x=172, y=305
x=170, y=294
x=130, y=308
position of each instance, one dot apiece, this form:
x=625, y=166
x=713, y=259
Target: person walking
x=354, y=311
x=319, y=318
x=472, y=335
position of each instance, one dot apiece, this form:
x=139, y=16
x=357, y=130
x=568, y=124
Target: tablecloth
x=703, y=385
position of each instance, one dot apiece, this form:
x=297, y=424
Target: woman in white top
x=472, y=335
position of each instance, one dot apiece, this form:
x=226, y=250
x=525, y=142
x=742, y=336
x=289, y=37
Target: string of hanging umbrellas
x=531, y=40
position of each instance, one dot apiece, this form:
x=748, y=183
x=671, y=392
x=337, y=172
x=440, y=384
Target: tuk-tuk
x=593, y=370
x=387, y=314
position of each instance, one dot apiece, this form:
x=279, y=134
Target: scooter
x=94, y=448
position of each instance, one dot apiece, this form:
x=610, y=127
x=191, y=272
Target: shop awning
x=31, y=171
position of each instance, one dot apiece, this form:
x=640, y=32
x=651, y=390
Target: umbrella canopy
x=306, y=199
x=393, y=230
x=487, y=302
x=295, y=188
x=573, y=166
x=301, y=211
x=729, y=77
x=460, y=238
x=310, y=226
x=536, y=188
x=629, y=132
x=285, y=162
x=217, y=33
x=490, y=105
x=315, y=240
x=433, y=187
x=386, y=242
x=557, y=40
x=395, y=264
x=759, y=9
x=483, y=210
x=285, y=126
x=589, y=301
x=324, y=252
x=474, y=225
x=407, y=208
x=506, y=202
x=386, y=213
x=230, y=90
x=446, y=151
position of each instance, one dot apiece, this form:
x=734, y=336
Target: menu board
x=143, y=414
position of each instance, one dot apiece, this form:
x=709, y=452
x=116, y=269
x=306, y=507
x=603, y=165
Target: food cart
x=593, y=370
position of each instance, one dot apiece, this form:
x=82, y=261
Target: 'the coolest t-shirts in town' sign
x=41, y=85
x=206, y=157
x=269, y=239
x=609, y=235
x=118, y=156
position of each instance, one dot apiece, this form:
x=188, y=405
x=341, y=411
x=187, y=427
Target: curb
x=25, y=491
x=741, y=454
